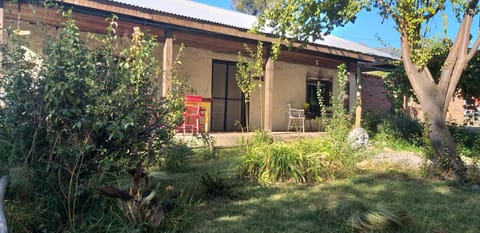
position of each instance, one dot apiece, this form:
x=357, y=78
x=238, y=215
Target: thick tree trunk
x=3, y=188
x=443, y=142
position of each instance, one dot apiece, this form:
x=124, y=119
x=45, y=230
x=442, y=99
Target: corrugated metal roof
x=203, y=12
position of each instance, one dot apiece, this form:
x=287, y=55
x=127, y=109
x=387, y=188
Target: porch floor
x=229, y=139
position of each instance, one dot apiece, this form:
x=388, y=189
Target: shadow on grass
x=434, y=206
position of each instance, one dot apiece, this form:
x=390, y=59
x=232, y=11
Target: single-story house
x=212, y=38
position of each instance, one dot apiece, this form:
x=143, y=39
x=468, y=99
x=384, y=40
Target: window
x=312, y=98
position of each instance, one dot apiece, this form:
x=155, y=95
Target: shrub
x=175, y=156
x=81, y=114
x=339, y=125
x=467, y=141
x=285, y=162
x=394, y=130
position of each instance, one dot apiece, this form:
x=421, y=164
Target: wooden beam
x=167, y=63
x=51, y=17
x=309, y=59
x=212, y=42
x=358, y=110
x=269, y=74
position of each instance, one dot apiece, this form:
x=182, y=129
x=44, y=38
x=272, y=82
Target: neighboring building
x=212, y=39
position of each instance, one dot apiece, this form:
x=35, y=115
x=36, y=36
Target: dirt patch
x=402, y=158
x=407, y=159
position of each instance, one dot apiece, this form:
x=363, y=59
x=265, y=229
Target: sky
x=369, y=28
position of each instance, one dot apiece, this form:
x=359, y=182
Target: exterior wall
x=289, y=87
x=196, y=68
x=374, y=97
x=454, y=112
x=289, y=83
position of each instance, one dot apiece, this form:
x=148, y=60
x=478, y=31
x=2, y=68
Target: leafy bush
x=339, y=125
x=80, y=114
x=394, y=130
x=284, y=162
x=467, y=141
x=175, y=156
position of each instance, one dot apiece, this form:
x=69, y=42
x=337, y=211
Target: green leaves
x=307, y=19
x=249, y=68
x=80, y=107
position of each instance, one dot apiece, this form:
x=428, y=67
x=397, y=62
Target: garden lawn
x=434, y=206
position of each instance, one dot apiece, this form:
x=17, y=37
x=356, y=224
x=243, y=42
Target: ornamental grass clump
x=284, y=162
x=368, y=217
x=302, y=161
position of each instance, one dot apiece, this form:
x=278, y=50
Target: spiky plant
x=368, y=217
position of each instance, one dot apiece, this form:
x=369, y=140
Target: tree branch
x=428, y=74
x=474, y=49
x=389, y=11
x=453, y=56
x=463, y=55
x=429, y=16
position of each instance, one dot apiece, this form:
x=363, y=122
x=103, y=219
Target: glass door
x=227, y=98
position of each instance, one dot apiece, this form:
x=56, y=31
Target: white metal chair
x=295, y=114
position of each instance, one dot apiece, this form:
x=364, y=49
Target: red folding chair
x=191, y=115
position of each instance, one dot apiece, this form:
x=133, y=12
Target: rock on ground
x=406, y=159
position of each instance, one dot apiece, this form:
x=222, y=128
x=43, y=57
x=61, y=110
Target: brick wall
x=454, y=113
x=374, y=99
x=374, y=96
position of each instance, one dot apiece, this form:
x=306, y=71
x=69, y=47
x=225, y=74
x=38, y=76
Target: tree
x=248, y=69
x=251, y=7
x=469, y=85
x=306, y=20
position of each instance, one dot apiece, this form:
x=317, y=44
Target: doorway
x=228, y=109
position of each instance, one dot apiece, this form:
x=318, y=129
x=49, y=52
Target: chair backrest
x=192, y=110
x=295, y=113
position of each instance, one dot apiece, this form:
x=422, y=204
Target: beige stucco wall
x=289, y=83
x=290, y=88
x=196, y=68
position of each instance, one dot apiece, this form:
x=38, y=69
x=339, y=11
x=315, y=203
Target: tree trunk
x=443, y=143
x=3, y=188
x=435, y=99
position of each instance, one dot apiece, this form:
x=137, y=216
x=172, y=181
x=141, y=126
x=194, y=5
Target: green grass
x=434, y=206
